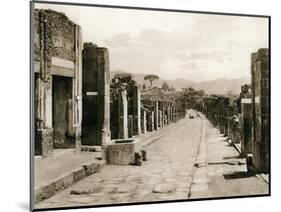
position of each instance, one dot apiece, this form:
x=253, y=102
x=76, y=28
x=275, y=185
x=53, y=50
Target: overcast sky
x=172, y=45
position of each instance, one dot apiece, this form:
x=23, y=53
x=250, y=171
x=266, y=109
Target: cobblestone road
x=167, y=174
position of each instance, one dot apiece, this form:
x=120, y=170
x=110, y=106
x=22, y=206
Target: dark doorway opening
x=64, y=135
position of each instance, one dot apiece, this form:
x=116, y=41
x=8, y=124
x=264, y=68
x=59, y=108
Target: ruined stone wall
x=260, y=99
x=56, y=32
x=57, y=52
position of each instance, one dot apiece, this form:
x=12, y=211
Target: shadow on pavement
x=232, y=163
x=237, y=175
x=232, y=157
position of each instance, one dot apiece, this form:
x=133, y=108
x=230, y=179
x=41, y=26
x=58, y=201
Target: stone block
x=68, y=180
x=164, y=188
x=122, y=151
x=79, y=174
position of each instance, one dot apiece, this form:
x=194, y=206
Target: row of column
x=247, y=119
x=157, y=114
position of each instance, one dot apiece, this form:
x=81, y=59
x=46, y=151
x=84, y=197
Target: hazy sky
x=172, y=45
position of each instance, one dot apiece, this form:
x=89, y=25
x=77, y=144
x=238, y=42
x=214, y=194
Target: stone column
x=103, y=96
x=150, y=125
x=123, y=114
x=172, y=112
x=168, y=113
x=77, y=90
x=246, y=141
x=156, y=114
x=163, y=114
x=160, y=118
x=143, y=122
x=136, y=110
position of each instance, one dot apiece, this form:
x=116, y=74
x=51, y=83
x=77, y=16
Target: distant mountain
x=222, y=85
x=218, y=86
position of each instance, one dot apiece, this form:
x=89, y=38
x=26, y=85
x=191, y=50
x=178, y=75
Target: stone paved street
x=167, y=174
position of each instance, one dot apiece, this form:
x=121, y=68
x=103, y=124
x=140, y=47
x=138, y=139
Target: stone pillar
x=174, y=113
x=103, y=96
x=156, y=115
x=160, y=118
x=123, y=114
x=77, y=90
x=143, y=121
x=150, y=125
x=136, y=110
x=43, y=96
x=246, y=141
x=261, y=115
x=163, y=118
x=96, y=100
x=169, y=114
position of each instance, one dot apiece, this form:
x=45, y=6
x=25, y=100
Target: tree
x=192, y=97
x=151, y=78
x=165, y=86
x=143, y=86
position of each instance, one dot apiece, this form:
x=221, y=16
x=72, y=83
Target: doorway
x=64, y=136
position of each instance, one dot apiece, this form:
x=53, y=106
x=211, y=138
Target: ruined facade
x=58, y=82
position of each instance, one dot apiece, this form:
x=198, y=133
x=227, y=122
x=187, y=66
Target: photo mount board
x=68, y=67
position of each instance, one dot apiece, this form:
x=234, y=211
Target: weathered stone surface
x=261, y=112
x=87, y=199
x=44, y=142
x=82, y=191
x=125, y=188
x=79, y=174
x=122, y=153
x=164, y=188
x=96, y=98
x=57, y=58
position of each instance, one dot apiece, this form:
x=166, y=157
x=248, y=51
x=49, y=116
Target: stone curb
x=201, y=184
x=151, y=140
x=68, y=179
x=235, y=146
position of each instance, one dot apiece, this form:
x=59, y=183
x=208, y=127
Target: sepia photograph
x=142, y=105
